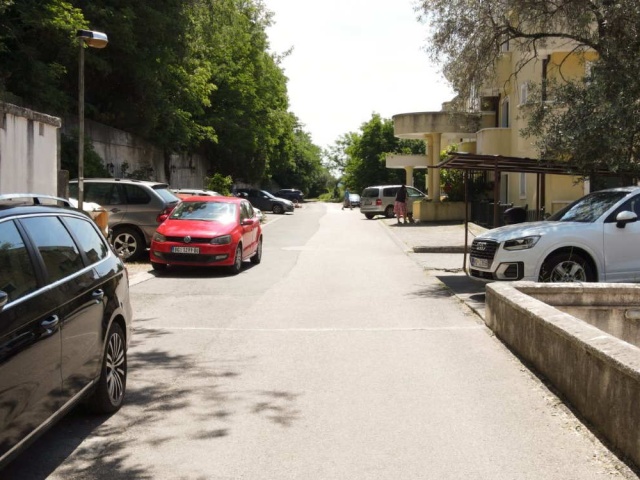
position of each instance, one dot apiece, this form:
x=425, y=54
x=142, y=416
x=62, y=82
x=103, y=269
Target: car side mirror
x=625, y=217
x=246, y=222
x=162, y=218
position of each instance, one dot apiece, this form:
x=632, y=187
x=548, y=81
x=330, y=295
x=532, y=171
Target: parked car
x=210, y=232
x=379, y=200
x=135, y=209
x=354, y=199
x=265, y=201
x=190, y=192
x=290, y=194
x=65, y=319
x=593, y=239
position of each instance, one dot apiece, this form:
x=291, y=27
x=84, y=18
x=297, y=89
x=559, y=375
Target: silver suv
x=379, y=200
x=135, y=208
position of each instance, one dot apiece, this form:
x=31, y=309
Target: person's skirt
x=400, y=209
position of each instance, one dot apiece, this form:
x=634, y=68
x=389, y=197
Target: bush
x=219, y=183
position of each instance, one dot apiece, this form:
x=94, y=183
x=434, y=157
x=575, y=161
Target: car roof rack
x=13, y=199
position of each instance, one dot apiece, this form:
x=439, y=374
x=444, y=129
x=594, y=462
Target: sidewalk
x=439, y=249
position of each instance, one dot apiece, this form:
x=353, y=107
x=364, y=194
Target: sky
x=353, y=58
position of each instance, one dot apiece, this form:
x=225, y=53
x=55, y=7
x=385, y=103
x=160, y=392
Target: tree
x=366, y=150
x=597, y=121
x=304, y=170
x=191, y=76
x=37, y=48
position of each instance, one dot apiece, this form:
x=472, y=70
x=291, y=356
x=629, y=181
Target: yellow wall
x=560, y=189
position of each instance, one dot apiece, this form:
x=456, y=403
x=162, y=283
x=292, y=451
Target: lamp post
x=94, y=40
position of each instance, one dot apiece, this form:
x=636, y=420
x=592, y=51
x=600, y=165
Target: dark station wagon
x=65, y=318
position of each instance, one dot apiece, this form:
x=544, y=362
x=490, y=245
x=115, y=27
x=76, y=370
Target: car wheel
x=109, y=393
x=369, y=216
x=388, y=212
x=159, y=267
x=128, y=243
x=237, y=261
x=278, y=209
x=257, y=257
x=566, y=267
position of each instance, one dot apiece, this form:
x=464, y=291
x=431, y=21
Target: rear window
x=165, y=194
x=370, y=193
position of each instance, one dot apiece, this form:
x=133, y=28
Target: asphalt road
x=338, y=357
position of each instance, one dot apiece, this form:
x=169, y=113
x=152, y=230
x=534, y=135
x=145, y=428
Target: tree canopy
x=593, y=121
x=364, y=160
x=193, y=76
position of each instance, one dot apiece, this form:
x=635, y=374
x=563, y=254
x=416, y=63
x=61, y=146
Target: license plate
x=185, y=250
x=480, y=262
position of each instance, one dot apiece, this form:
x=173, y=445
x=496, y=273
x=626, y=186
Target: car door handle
x=115, y=210
x=98, y=295
x=49, y=325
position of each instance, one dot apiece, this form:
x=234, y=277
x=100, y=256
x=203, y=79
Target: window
x=100, y=193
x=17, y=276
x=60, y=254
x=412, y=192
x=523, y=185
x=90, y=241
x=504, y=113
x=136, y=195
x=246, y=211
x=524, y=93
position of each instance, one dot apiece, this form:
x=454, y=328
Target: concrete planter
x=597, y=372
x=428, y=211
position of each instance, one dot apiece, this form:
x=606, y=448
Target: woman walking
x=400, y=205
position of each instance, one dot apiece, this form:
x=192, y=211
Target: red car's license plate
x=185, y=250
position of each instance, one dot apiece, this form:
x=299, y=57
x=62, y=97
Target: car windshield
x=208, y=211
x=267, y=194
x=589, y=208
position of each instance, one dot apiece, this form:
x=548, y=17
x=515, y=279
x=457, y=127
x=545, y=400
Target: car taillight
x=378, y=202
x=165, y=213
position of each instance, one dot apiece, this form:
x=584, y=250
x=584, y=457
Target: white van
x=379, y=200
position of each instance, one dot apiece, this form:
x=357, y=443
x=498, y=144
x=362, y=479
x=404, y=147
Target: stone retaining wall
x=598, y=373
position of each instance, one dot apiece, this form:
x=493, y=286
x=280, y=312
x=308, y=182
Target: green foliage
x=304, y=169
x=219, y=183
x=193, y=76
x=593, y=124
x=363, y=154
x=593, y=134
x=92, y=163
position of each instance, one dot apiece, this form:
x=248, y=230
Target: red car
x=210, y=232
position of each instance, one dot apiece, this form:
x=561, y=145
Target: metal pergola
x=471, y=162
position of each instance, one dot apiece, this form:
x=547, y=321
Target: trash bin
x=515, y=215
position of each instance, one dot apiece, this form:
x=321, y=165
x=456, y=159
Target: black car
x=265, y=201
x=65, y=318
x=290, y=194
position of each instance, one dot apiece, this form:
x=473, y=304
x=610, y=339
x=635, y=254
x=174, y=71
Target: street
x=337, y=357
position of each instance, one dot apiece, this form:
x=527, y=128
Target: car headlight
x=523, y=243
x=223, y=240
x=158, y=237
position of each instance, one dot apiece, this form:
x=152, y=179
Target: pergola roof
x=500, y=163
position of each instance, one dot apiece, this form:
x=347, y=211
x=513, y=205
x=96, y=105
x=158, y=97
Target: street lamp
x=94, y=40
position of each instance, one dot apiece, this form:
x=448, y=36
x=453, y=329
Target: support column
x=434, y=183
x=408, y=176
